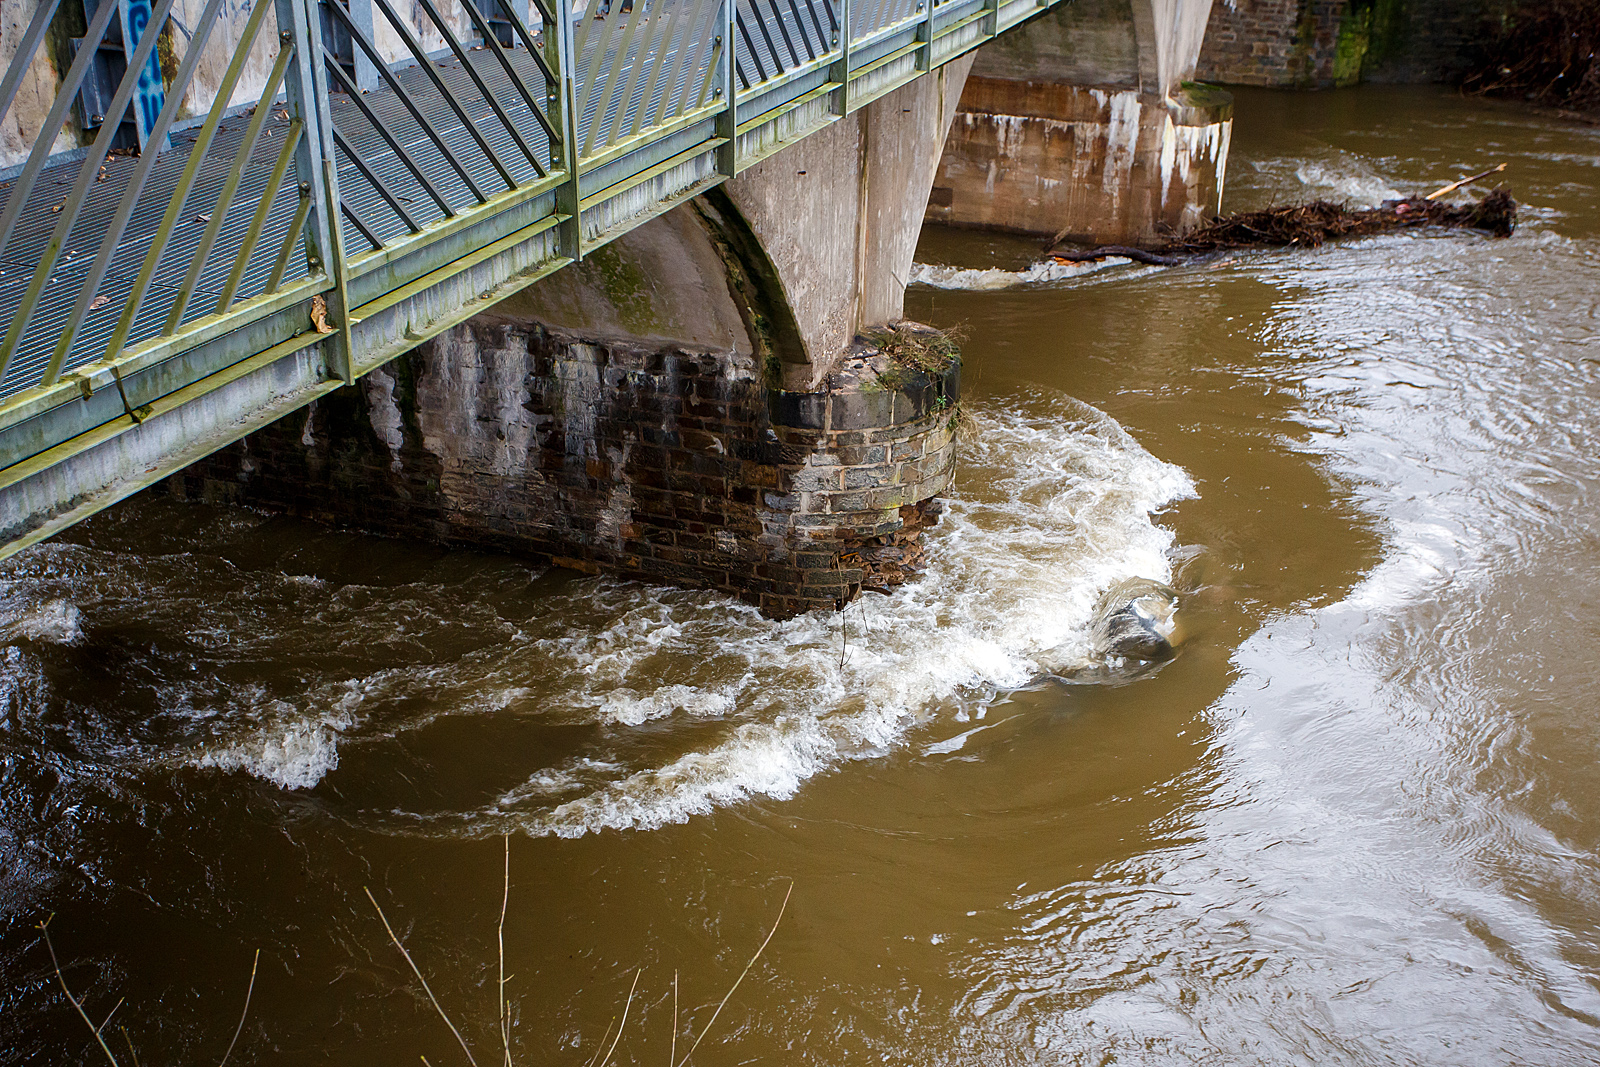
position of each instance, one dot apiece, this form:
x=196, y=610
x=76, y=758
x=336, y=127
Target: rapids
x=1355, y=820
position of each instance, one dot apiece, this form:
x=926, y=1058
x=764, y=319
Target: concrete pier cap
x=726, y=397
x=1084, y=125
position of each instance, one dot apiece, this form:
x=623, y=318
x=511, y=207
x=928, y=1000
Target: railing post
x=366, y=73
x=839, y=70
x=991, y=21
x=728, y=121
x=925, y=34
x=563, y=104
x=306, y=86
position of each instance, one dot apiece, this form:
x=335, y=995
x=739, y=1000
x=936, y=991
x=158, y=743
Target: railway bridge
x=618, y=284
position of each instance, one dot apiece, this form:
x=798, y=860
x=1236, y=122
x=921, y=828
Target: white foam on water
x=662, y=703
x=54, y=622
x=1054, y=506
x=976, y=278
x=1347, y=180
x=290, y=752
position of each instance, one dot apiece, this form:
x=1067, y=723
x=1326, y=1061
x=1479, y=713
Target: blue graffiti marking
x=149, y=93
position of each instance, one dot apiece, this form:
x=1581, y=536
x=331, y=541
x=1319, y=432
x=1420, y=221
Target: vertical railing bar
x=22, y=188
x=426, y=64
x=410, y=104
x=546, y=14
x=611, y=81
x=383, y=131
x=27, y=46
x=925, y=31
x=371, y=237
x=317, y=174
x=477, y=79
x=711, y=73
x=581, y=36
x=881, y=10
x=750, y=45
x=252, y=235
x=655, y=75
x=783, y=30
x=290, y=239
x=180, y=195
x=687, y=71
x=136, y=182
x=527, y=37
x=648, y=51
x=805, y=34
x=766, y=35
x=241, y=161
x=592, y=78
x=839, y=69
x=87, y=170
x=375, y=181
x=816, y=24
x=728, y=121
x=569, y=194
x=492, y=43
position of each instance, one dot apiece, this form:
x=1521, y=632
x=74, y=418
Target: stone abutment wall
x=1081, y=124
x=664, y=463
x=694, y=403
x=1328, y=43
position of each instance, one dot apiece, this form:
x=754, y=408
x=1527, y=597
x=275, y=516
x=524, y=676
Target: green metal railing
x=385, y=152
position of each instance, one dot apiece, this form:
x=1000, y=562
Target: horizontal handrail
x=387, y=142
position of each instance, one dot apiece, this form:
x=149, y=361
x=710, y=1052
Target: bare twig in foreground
x=736, y=981
x=672, y=1057
x=505, y=1015
x=418, y=973
x=625, y=1006
x=44, y=928
x=242, y=1015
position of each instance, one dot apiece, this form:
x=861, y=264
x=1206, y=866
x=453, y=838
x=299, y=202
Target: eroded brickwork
x=657, y=462
x=1323, y=43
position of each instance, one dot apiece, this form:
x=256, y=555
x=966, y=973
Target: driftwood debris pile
x=1544, y=51
x=1309, y=225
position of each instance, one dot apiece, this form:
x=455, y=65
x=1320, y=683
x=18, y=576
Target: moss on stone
x=628, y=290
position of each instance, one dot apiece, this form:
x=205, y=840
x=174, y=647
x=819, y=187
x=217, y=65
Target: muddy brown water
x=1355, y=821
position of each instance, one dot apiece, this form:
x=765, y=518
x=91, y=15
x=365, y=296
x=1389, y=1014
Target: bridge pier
x=716, y=399
x=1081, y=123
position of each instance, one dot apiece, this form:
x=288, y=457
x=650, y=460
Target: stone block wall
x=1327, y=43
x=660, y=462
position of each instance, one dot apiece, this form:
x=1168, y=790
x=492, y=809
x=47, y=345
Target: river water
x=1355, y=821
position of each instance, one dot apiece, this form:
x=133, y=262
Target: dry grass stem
x=44, y=928
x=414, y=970
x=132, y=1055
x=112, y=1012
x=596, y=1057
x=620, y=1026
x=505, y=1014
x=251, y=988
x=672, y=1057
x=736, y=981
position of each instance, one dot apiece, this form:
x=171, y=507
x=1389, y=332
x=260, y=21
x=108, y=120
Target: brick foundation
x=657, y=462
x=1324, y=43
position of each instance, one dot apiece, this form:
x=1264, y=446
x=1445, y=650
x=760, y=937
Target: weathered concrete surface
x=1097, y=165
x=1079, y=124
x=838, y=214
